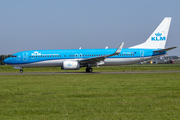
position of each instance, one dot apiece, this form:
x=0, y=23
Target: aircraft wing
x=94, y=60
x=167, y=49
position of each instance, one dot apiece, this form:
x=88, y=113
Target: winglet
x=119, y=48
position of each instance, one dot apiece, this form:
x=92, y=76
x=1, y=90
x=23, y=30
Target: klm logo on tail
x=158, y=37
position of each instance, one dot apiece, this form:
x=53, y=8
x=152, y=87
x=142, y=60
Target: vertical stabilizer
x=158, y=38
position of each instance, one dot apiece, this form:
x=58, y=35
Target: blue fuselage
x=43, y=58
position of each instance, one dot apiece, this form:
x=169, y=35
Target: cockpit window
x=13, y=56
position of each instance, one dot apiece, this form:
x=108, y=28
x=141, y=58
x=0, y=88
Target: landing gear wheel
x=89, y=70
x=21, y=71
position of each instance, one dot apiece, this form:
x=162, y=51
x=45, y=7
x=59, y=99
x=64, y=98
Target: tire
x=21, y=71
x=90, y=70
x=87, y=69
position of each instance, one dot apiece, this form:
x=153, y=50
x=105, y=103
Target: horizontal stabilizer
x=162, y=50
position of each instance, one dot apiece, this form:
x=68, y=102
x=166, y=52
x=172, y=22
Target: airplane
x=74, y=59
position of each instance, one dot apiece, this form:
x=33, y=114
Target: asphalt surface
x=51, y=73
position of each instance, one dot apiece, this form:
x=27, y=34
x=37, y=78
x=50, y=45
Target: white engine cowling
x=70, y=65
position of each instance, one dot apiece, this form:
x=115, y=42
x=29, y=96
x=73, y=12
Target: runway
x=62, y=73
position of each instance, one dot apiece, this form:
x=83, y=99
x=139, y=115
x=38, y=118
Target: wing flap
x=163, y=50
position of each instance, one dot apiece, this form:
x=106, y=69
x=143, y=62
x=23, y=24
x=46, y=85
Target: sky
x=89, y=24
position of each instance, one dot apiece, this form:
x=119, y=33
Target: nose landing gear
x=89, y=70
x=21, y=71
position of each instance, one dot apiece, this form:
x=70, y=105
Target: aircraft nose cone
x=6, y=61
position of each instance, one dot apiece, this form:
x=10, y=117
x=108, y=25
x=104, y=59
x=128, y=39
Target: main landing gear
x=89, y=70
x=21, y=71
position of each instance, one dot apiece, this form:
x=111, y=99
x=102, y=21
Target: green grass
x=90, y=96
x=145, y=67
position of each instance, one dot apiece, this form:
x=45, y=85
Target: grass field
x=145, y=67
x=90, y=96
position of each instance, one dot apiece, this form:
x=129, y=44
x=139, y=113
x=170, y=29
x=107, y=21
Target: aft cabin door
x=142, y=54
x=25, y=56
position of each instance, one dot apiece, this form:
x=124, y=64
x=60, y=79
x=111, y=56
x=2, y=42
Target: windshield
x=13, y=56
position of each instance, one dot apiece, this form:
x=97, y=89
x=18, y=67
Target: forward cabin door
x=25, y=56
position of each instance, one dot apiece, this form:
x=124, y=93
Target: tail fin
x=158, y=38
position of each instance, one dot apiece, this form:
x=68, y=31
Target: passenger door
x=142, y=54
x=25, y=56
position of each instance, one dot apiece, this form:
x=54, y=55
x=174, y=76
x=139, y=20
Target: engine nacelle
x=70, y=65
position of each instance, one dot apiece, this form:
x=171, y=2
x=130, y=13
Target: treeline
x=2, y=58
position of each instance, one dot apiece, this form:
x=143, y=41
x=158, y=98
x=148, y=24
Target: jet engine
x=70, y=65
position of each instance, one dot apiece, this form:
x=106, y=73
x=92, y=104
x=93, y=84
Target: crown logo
x=69, y=65
x=158, y=34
